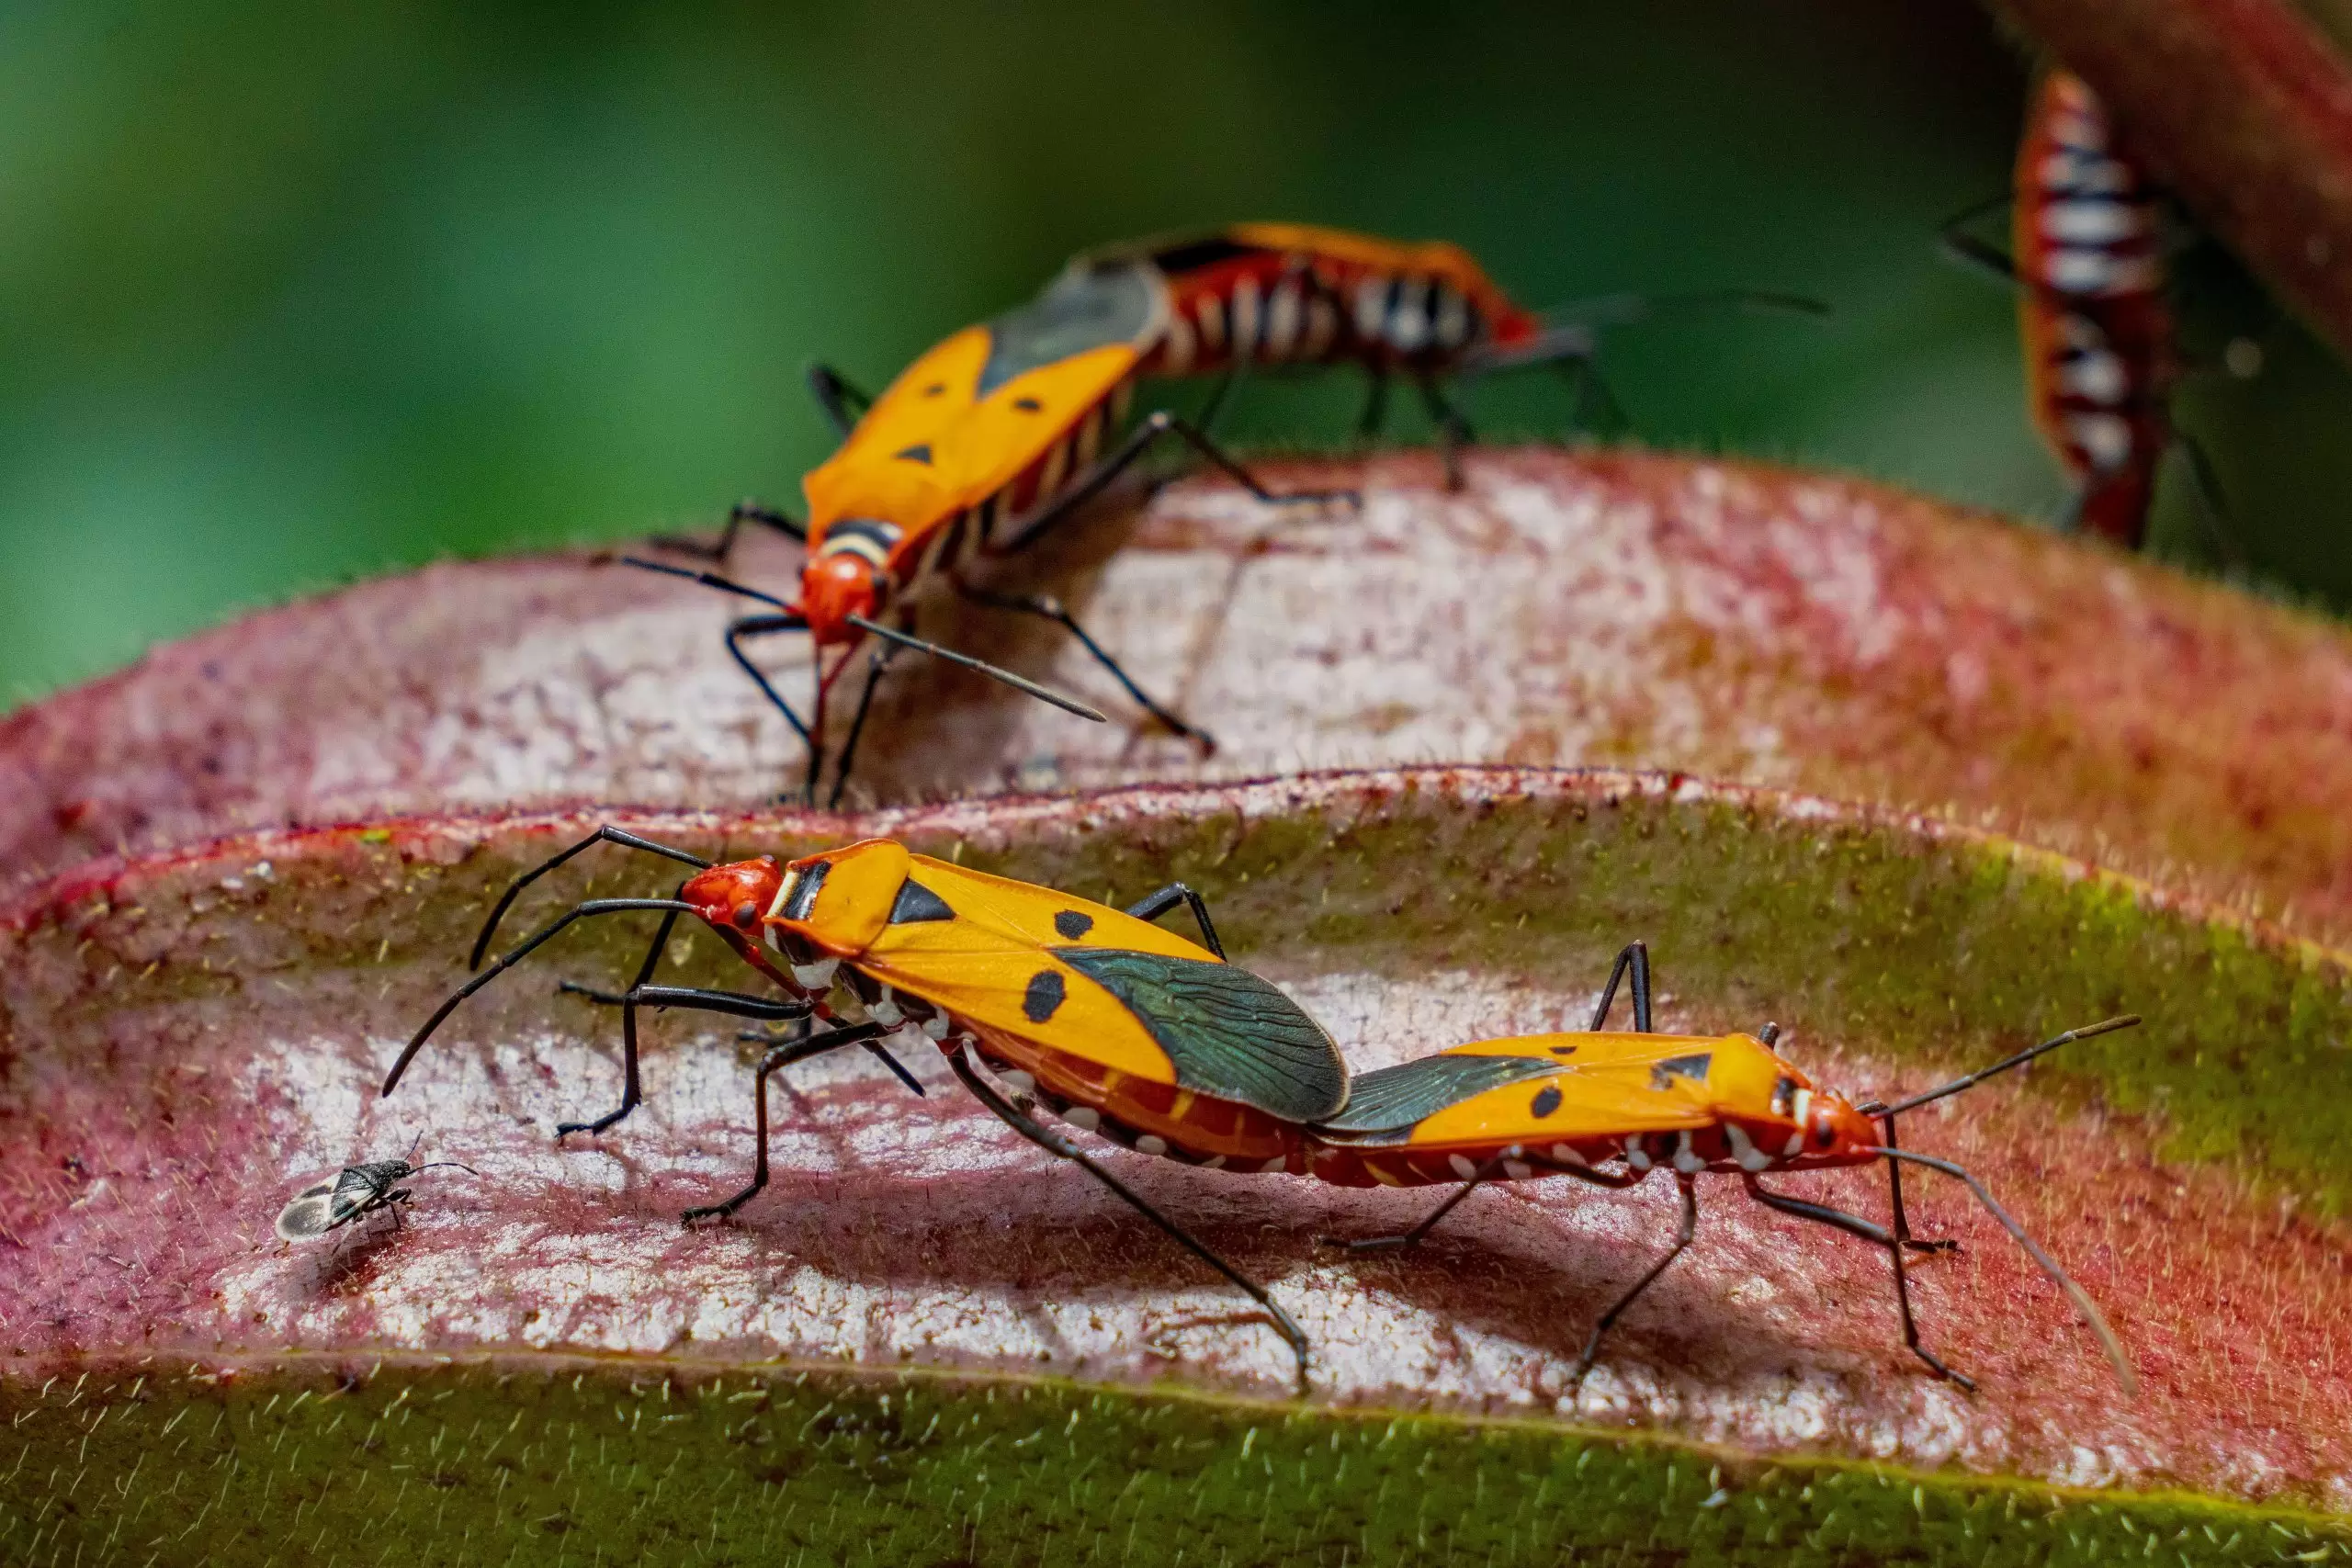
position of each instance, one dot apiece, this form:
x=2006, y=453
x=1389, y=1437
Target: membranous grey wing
x=1228, y=1032
x=1088, y=307
x=311, y=1212
x=1384, y=1106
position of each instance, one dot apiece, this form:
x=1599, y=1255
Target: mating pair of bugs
x=1121, y=1028
x=1003, y=431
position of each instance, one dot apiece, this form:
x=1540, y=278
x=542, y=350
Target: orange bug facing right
x=1575, y=1105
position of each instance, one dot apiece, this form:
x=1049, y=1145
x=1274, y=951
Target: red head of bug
x=1834, y=1132
x=731, y=899
x=835, y=587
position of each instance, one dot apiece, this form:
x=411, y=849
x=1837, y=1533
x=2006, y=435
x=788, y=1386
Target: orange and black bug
x=2087, y=256
x=1115, y=1024
x=980, y=447
x=1609, y=1108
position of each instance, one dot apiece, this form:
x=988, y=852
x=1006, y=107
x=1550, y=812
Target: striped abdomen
x=2097, y=327
x=1233, y=304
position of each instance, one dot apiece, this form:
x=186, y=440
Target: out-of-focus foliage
x=288, y=295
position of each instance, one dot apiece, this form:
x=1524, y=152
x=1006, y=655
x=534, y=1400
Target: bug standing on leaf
x=1576, y=1104
x=356, y=1192
x=980, y=447
x=1115, y=1024
x=2086, y=257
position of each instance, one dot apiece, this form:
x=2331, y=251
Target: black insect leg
x=765, y=626
x=782, y=1056
x=1486, y=1173
x=1139, y=440
x=632, y=1091
x=742, y=512
x=1966, y=248
x=879, y=661
x=1636, y=958
x=1055, y=1143
x=1682, y=1235
x=844, y=403
x=1894, y=1241
x=1153, y=905
x=734, y=1004
x=1585, y=382
x=1375, y=403
x=2211, y=509
x=1047, y=607
x=1454, y=431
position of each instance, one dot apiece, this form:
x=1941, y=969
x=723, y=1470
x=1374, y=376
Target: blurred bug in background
x=2087, y=255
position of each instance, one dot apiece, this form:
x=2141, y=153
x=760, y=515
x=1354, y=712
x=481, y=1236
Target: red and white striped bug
x=2093, y=310
x=1610, y=1108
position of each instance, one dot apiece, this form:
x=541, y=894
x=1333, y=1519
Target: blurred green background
x=291, y=293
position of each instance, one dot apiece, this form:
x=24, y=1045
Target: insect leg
x=734, y=1004
x=1616, y=1179
x=1967, y=249
x=880, y=660
x=1584, y=378
x=764, y=625
x=1682, y=1235
x=2212, y=510
x=1047, y=607
x=1154, y=426
x=742, y=512
x=1894, y=1241
x=1454, y=431
x=631, y=1090
x=782, y=1056
x=1055, y=1143
x=1153, y=905
x=1636, y=958
x=1375, y=403
x=844, y=403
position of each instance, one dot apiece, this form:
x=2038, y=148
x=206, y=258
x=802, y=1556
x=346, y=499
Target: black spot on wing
x=1546, y=1101
x=1392, y=1100
x=1693, y=1066
x=1228, y=1032
x=1028, y=405
x=1043, y=997
x=1073, y=923
x=1190, y=255
x=918, y=453
x=915, y=902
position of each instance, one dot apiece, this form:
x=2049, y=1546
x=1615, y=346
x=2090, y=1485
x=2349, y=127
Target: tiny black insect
x=359, y=1190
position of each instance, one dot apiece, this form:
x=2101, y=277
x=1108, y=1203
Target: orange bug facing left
x=1609, y=1108
x=985, y=442
x=1124, y=1028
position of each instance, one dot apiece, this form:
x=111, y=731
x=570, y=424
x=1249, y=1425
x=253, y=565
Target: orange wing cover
x=1014, y=959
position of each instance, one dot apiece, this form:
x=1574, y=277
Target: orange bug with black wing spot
x=1120, y=1026
x=2087, y=256
x=1578, y=1104
x=982, y=446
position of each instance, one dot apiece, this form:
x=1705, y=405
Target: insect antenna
x=904, y=639
x=508, y=960
x=1018, y=682
x=1572, y=331
x=712, y=579
x=601, y=836
x=2058, y=1276
x=444, y=1165
x=1969, y=1080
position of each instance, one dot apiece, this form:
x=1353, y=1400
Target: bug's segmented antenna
x=711, y=580
x=601, y=836
x=1969, y=1080
x=2058, y=1276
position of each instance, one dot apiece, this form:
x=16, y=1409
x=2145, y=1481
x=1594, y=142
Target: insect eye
x=747, y=915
